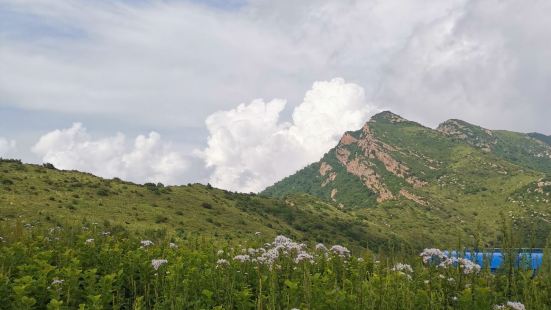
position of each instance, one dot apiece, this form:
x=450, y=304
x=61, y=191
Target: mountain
x=414, y=178
x=543, y=138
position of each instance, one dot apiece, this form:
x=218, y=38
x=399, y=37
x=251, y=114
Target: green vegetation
x=470, y=180
x=94, y=267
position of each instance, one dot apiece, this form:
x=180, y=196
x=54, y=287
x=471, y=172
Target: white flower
x=89, y=241
x=146, y=243
x=220, y=252
x=340, y=250
x=321, y=247
x=428, y=254
x=515, y=305
x=468, y=266
x=57, y=282
x=105, y=233
x=156, y=263
x=257, y=233
x=222, y=263
x=304, y=257
x=242, y=258
x=402, y=267
x=173, y=245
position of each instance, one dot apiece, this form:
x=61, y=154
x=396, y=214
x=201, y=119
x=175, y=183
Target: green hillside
x=541, y=137
x=433, y=185
x=38, y=195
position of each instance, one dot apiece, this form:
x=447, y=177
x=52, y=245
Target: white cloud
x=148, y=159
x=7, y=147
x=487, y=63
x=249, y=147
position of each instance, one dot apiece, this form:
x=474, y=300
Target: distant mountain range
x=455, y=175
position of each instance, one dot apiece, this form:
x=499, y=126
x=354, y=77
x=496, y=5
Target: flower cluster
x=402, y=267
x=428, y=254
x=437, y=256
x=340, y=251
x=514, y=305
x=89, y=241
x=146, y=243
x=242, y=258
x=156, y=263
x=468, y=266
x=222, y=263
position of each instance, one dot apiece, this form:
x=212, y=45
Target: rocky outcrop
x=327, y=170
x=412, y=197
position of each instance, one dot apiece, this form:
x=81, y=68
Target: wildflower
x=304, y=257
x=173, y=245
x=451, y=280
x=321, y=247
x=242, y=258
x=89, y=241
x=468, y=266
x=156, y=263
x=105, y=233
x=428, y=254
x=222, y=263
x=426, y=281
x=340, y=250
x=146, y=243
x=220, y=252
x=402, y=267
x=516, y=305
x=360, y=259
x=57, y=282
x=257, y=233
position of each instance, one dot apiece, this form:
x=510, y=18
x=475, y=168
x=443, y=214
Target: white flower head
x=221, y=263
x=340, y=251
x=156, y=263
x=146, y=243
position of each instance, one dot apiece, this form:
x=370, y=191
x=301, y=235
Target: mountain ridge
x=457, y=170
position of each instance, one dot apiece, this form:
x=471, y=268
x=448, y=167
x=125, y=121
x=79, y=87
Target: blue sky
x=132, y=68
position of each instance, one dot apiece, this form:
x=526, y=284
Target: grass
x=93, y=267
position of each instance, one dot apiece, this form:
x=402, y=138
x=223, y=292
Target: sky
x=243, y=93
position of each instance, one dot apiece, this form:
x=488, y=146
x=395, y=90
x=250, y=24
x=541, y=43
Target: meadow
x=93, y=266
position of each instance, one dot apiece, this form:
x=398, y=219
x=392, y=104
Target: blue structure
x=526, y=258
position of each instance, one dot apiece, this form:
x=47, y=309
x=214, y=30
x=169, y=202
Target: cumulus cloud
x=7, y=147
x=148, y=159
x=249, y=147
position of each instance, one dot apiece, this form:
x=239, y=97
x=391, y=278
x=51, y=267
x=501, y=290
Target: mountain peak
x=388, y=116
x=474, y=135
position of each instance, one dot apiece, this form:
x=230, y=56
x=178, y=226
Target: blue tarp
x=529, y=259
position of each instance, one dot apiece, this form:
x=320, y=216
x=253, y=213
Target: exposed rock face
x=412, y=197
x=326, y=169
x=476, y=136
x=360, y=166
x=334, y=192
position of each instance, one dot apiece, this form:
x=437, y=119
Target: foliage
x=93, y=267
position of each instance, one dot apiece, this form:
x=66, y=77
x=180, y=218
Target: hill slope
x=38, y=195
x=417, y=180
